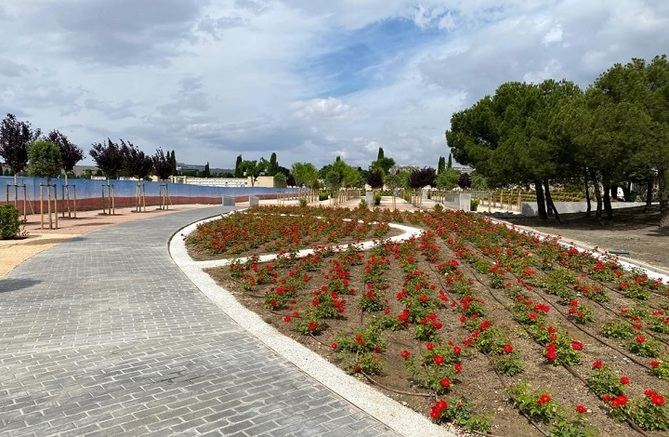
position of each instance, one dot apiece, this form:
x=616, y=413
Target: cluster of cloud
x=308, y=80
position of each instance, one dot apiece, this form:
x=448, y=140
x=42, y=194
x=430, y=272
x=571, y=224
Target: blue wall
x=87, y=188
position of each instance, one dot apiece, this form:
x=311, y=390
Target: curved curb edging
x=399, y=418
x=628, y=263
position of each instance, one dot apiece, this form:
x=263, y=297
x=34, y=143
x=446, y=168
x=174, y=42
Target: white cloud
x=218, y=78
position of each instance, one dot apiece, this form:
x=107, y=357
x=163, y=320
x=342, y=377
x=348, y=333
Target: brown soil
x=479, y=383
x=631, y=231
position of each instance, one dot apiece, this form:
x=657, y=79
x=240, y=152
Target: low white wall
x=529, y=209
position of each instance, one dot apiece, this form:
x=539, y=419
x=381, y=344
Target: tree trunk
x=598, y=194
x=664, y=198
x=606, y=184
x=649, y=193
x=549, y=200
x=614, y=191
x=627, y=191
x=541, y=202
x=587, y=192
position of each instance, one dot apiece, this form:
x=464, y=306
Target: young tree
x=382, y=163
x=14, y=138
x=450, y=161
x=305, y=174
x=173, y=163
x=206, y=173
x=136, y=163
x=422, y=178
x=44, y=159
x=465, y=181
x=441, y=165
x=280, y=180
x=375, y=178
x=448, y=179
x=253, y=169
x=70, y=153
x=161, y=165
x=239, y=171
x=272, y=166
x=108, y=157
x=333, y=181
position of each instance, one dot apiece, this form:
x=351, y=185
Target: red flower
x=551, y=352
x=580, y=408
x=438, y=360
x=334, y=345
x=454, y=263
x=640, y=339
x=624, y=380
x=619, y=401
x=508, y=348
x=406, y=354
x=576, y=345
x=445, y=382
x=484, y=325
x=457, y=367
x=543, y=399
x=429, y=346
x=286, y=319
x=551, y=329
x=438, y=409
x=657, y=399
x=312, y=326
x=649, y=392
x=655, y=364
x=597, y=364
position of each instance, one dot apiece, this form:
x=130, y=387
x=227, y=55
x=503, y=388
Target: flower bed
x=280, y=229
x=478, y=325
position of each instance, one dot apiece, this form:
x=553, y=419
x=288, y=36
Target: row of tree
x=24, y=148
x=613, y=134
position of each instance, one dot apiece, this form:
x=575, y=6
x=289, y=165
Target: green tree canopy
x=44, y=159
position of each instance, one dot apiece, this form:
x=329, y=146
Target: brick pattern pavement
x=104, y=335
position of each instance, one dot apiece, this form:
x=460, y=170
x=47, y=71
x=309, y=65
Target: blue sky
x=306, y=79
x=366, y=57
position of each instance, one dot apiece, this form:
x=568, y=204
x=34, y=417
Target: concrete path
x=104, y=335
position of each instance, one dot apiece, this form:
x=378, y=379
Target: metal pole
x=74, y=200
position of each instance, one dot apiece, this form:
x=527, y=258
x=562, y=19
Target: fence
x=89, y=193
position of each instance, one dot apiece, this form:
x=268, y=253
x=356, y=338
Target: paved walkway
x=103, y=334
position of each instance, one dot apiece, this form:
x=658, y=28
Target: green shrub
x=474, y=204
x=303, y=203
x=9, y=222
x=438, y=207
x=323, y=196
x=377, y=199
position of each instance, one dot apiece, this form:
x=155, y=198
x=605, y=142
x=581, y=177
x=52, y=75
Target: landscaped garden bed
x=471, y=323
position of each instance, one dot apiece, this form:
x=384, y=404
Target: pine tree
x=442, y=165
x=450, y=161
x=380, y=155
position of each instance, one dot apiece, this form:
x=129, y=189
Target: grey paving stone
x=104, y=335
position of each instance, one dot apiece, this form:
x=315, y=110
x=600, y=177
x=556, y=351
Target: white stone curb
x=401, y=419
x=627, y=263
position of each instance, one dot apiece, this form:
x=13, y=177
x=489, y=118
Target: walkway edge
x=399, y=418
x=652, y=271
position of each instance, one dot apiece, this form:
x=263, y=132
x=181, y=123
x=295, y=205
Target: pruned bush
x=9, y=222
